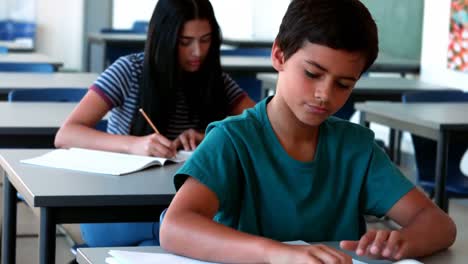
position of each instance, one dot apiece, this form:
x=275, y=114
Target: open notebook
x=133, y=257
x=97, y=161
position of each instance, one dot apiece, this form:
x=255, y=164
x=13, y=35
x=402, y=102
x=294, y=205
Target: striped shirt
x=119, y=87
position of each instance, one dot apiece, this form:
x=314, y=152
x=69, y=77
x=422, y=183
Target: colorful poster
x=458, y=36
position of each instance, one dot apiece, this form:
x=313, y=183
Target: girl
x=177, y=81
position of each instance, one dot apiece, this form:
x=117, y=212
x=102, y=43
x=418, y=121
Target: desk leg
x=391, y=144
x=9, y=222
x=397, y=154
x=362, y=119
x=47, y=237
x=441, y=170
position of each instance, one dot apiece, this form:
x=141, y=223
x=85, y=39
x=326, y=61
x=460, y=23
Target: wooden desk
x=14, y=81
x=455, y=255
x=100, y=43
x=246, y=64
x=29, y=58
x=31, y=124
x=248, y=42
x=384, y=62
x=98, y=255
x=116, y=38
x=437, y=121
x=66, y=196
x=14, y=46
x=257, y=64
x=369, y=88
x=392, y=64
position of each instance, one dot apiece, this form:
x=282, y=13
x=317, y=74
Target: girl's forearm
x=73, y=135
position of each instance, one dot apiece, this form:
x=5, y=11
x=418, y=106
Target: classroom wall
x=60, y=30
x=267, y=17
x=434, y=52
x=434, y=49
x=260, y=18
x=98, y=15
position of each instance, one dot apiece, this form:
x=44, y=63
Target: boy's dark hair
x=162, y=75
x=338, y=24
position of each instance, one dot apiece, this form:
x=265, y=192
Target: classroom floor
x=28, y=226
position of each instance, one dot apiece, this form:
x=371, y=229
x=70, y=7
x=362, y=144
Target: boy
x=286, y=170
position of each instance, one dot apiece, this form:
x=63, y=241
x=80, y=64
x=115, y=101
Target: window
x=237, y=19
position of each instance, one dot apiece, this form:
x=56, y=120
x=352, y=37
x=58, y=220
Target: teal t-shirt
x=264, y=191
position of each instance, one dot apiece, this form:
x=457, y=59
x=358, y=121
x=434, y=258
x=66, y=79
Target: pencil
x=149, y=121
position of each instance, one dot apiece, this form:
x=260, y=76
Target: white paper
x=303, y=243
x=96, y=161
x=132, y=257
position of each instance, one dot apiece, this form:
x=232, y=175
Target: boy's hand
x=379, y=244
x=189, y=139
x=313, y=254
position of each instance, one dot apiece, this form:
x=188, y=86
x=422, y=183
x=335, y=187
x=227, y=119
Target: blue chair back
x=3, y=50
x=140, y=26
x=12, y=29
x=425, y=149
x=47, y=95
x=117, y=31
x=27, y=67
x=263, y=52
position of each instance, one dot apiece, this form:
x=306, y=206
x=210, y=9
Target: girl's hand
x=189, y=139
x=389, y=244
x=153, y=145
x=313, y=254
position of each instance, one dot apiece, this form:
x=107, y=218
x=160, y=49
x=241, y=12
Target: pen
x=149, y=121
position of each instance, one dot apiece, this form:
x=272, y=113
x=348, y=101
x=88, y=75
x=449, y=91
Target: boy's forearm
x=214, y=242
x=429, y=232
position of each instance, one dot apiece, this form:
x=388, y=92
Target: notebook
x=97, y=161
x=132, y=257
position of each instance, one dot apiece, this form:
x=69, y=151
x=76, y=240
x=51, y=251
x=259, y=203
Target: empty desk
x=33, y=58
x=370, y=88
x=393, y=64
x=99, y=45
x=248, y=42
x=14, y=81
x=437, y=121
x=17, y=46
x=31, y=124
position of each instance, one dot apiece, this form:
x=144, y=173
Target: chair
x=47, y=95
x=425, y=149
x=3, y=50
x=26, y=67
x=140, y=26
x=263, y=52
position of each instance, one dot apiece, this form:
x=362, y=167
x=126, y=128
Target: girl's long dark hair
x=162, y=74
